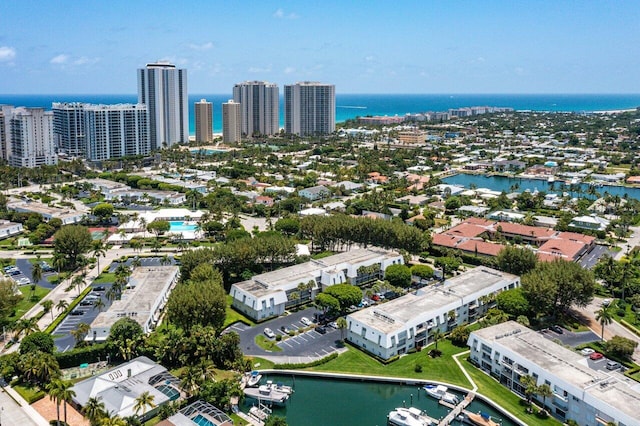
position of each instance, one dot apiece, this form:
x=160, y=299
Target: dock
x=456, y=410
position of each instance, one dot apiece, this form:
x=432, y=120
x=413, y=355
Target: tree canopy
x=8, y=300
x=516, y=260
x=398, y=275
x=513, y=302
x=345, y=294
x=37, y=342
x=71, y=242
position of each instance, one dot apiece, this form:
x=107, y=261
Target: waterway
x=321, y=402
x=510, y=184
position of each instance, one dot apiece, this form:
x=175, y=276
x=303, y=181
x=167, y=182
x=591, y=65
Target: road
x=632, y=242
x=11, y=413
x=590, y=259
x=613, y=329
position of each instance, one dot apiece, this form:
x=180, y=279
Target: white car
x=269, y=333
x=587, y=351
x=606, y=302
x=306, y=321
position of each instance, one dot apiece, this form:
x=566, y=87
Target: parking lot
x=64, y=341
x=571, y=338
x=25, y=277
x=307, y=344
x=144, y=261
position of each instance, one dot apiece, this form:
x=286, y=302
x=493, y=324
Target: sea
x=350, y=106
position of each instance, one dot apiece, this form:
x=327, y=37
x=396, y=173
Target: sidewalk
x=16, y=411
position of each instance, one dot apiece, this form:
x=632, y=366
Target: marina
x=320, y=401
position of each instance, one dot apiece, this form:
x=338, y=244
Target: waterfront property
x=269, y=294
x=119, y=387
x=509, y=351
x=395, y=327
x=144, y=298
x=198, y=413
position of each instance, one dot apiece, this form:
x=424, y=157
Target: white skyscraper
x=260, y=105
x=68, y=128
x=309, y=108
x=204, y=121
x=231, y=122
x=163, y=88
x=114, y=131
x=31, y=133
x=5, y=134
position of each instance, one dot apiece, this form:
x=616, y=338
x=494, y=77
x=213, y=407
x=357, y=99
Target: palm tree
x=112, y=421
x=98, y=251
x=99, y=304
x=94, y=410
x=605, y=317
x=530, y=386
x=437, y=334
x=544, y=391
x=47, y=305
x=144, y=400
x=80, y=332
x=26, y=325
x=62, y=305
x=66, y=395
x=342, y=325
x=55, y=391
x=36, y=272
x=164, y=260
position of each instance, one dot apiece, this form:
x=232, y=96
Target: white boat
x=408, y=417
x=263, y=394
x=279, y=387
x=254, y=378
x=440, y=392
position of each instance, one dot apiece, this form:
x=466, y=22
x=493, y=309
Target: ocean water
x=354, y=105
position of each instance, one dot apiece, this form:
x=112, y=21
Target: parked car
x=269, y=333
x=306, y=321
x=587, y=351
x=375, y=298
x=285, y=329
x=99, y=288
x=333, y=324
x=87, y=302
x=321, y=330
x=76, y=312
x=612, y=365
x=557, y=329
x=596, y=356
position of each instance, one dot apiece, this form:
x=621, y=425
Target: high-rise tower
x=309, y=108
x=68, y=128
x=231, y=122
x=260, y=105
x=31, y=138
x=204, y=121
x=163, y=88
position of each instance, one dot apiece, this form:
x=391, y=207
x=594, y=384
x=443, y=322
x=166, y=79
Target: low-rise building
x=67, y=216
x=268, y=295
x=509, y=351
x=9, y=229
x=119, y=387
x=315, y=192
x=143, y=300
x=395, y=327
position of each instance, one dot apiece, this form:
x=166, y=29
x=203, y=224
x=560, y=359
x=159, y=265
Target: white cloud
x=7, y=54
x=85, y=61
x=289, y=70
x=204, y=46
x=280, y=14
x=59, y=59
x=259, y=69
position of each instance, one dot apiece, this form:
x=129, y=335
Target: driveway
x=570, y=338
x=144, y=261
x=590, y=259
x=308, y=344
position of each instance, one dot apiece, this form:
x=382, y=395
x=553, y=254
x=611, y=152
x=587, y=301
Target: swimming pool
x=202, y=421
x=180, y=226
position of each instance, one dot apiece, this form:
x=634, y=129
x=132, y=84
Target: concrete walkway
x=16, y=411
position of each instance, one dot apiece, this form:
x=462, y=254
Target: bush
x=88, y=354
x=417, y=368
x=291, y=366
x=620, y=312
x=278, y=337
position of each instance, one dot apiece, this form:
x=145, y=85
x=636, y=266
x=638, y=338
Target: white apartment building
x=204, y=121
x=394, y=327
x=591, y=397
x=163, y=88
x=31, y=135
x=231, y=122
x=68, y=216
x=260, y=105
x=69, y=131
x=267, y=295
x=5, y=133
x=309, y=108
x=143, y=300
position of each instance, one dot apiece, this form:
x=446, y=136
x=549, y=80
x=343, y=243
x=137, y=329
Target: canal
x=510, y=184
x=321, y=402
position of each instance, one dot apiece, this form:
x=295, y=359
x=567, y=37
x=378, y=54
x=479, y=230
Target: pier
x=457, y=409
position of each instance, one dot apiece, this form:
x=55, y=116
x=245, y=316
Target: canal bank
x=322, y=398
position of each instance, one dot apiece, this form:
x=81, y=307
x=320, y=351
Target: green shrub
x=87, y=354
x=417, y=368
x=291, y=366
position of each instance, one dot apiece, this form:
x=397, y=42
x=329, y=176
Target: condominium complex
x=69, y=128
x=28, y=138
x=260, y=105
x=587, y=395
x=204, y=121
x=395, y=327
x=309, y=108
x=268, y=295
x=5, y=133
x=231, y=122
x=163, y=88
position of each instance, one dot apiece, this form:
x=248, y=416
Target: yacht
x=279, y=387
x=408, y=417
x=267, y=395
x=440, y=392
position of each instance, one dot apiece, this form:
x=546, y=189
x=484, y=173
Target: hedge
x=56, y=322
x=87, y=354
x=630, y=327
x=291, y=366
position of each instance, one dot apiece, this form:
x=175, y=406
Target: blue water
x=207, y=151
x=507, y=184
x=178, y=226
x=351, y=106
x=202, y=421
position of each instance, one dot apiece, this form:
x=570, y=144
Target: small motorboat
x=267, y=395
x=408, y=417
x=440, y=392
x=279, y=387
x=254, y=378
x=480, y=419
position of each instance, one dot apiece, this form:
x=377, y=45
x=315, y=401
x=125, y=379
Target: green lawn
x=261, y=363
x=237, y=420
x=267, y=344
x=443, y=368
x=503, y=396
x=27, y=303
x=233, y=315
x=30, y=394
x=105, y=278
x=629, y=316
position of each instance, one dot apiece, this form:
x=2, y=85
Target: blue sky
x=483, y=46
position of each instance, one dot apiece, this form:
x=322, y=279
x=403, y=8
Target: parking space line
x=286, y=343
x=310, y=334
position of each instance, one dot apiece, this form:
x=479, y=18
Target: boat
x=480, y=419
x=551, y=179
x=254, y=378
x=279, y=387
x=440, y=392
x=408, y=417
x=267, y=395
